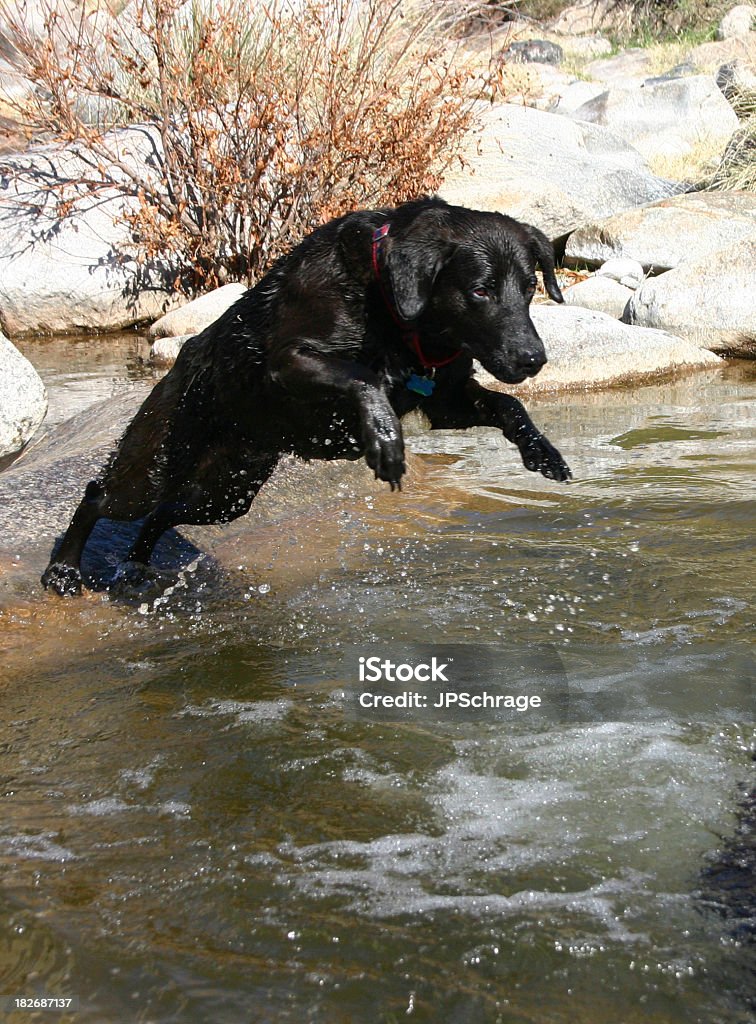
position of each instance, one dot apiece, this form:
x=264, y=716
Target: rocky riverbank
x=584, y=152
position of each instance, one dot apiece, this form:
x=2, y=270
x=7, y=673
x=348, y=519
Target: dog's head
x=467, y=279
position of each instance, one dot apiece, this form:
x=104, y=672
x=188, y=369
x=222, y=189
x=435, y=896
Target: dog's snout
x=532, y=360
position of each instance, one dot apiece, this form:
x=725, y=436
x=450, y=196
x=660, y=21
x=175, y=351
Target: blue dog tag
x=420, y=385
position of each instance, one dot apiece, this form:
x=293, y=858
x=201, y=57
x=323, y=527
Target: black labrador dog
x=374, y=314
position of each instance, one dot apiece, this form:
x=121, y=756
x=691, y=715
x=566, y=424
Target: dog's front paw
x=384, y=448
x=540, y=456
x=64, y=579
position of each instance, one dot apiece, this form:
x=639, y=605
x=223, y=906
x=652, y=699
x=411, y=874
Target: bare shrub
x=265, y=118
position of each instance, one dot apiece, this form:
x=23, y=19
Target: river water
x=199, y=823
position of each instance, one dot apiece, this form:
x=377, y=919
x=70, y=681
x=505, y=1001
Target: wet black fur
x=312, y=361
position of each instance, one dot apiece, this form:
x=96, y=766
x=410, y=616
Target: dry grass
x=737, y=170
x=692, y=166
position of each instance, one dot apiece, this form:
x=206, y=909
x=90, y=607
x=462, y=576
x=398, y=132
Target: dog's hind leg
x=165, y=516
x=63, y=574
x=237, y=496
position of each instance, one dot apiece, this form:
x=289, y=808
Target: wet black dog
x=373, y=315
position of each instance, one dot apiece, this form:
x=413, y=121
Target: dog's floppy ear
x=413, y=260
x=543, y=254
x=355, y=238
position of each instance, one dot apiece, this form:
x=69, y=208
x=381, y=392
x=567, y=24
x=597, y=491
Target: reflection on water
x=194, y=828
x=79, y=371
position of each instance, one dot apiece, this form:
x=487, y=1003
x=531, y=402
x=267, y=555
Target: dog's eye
x=481, y=293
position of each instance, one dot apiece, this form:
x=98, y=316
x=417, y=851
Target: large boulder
x=585, y=47
x=738, y=21
x=708, y=300
x=591, y=349
x=75, y=267
x=633, y=63
x=664, y=116
x=549, y=170
x=23, y=399
x=574, y=95
x=198, y=314
x=663, y=234
x=709, y=56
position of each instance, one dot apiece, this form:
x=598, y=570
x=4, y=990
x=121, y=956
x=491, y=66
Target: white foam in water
x=174, y=808
x=514, y=810
x=110, y=806
x=102, y=808
x=141, y=778
x=258, y=711
x=43, y=846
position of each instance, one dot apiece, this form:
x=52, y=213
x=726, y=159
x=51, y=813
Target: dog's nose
x=532, y=361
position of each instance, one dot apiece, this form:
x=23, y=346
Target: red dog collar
x=410, y=335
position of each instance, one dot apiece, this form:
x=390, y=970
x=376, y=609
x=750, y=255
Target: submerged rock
x=39, y=493
x=23, y=399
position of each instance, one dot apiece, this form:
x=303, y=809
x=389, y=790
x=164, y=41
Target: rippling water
x=194, y=826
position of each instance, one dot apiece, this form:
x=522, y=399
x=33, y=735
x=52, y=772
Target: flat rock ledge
x=588, y=349
x=667, y=233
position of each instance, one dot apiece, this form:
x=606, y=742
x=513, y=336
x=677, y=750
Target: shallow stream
x=197, y=825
